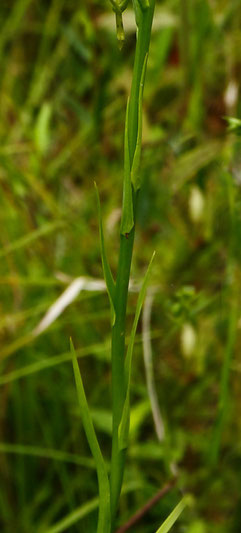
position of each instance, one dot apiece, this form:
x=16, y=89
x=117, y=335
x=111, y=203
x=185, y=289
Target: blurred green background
x=63, y=91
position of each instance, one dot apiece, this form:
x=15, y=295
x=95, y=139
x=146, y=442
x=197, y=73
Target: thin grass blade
x=72, y=518
x=103, y=481
x=31, y=237
x=110, y=284
x=125, y=419
x=75, y=516
x=174, y=515
x=46, y=453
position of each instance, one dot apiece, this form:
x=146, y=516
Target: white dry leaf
x=68, y=296
x=65, y=299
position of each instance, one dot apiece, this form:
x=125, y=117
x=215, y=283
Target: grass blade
x=174, y=515
x=45, y=453
x=110, y=284
x=125, y=419
x=9, y=30
x=31, y=237
x=103, y=481
x=98, y=350
x=83, y=511
x=73, y=517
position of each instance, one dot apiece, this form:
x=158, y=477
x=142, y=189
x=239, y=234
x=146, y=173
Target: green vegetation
x=74, y=114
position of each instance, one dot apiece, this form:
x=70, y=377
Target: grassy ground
x=63, y=90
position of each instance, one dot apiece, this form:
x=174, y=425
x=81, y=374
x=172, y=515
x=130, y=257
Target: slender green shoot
x=118, y=291
x=46, y=453
x=125, y=420
x=110, y=284
x=232, y=328
x=104, y=489
x=174, y=515
x=144, y=11
x=31, y=237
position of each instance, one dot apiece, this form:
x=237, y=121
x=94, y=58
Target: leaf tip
x=73, y=352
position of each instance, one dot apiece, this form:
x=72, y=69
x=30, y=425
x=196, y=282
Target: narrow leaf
x=22, y=242
x=127, y=219
x=170, y=521
x=110, y=284
x=125, y=419
x=72, y=518
x=137, y=154
x=103, y=481
x=46, y=453
x=138, y=12
x=75, y=516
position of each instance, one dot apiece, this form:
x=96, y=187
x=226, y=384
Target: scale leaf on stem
x=127, y=219
x=110, y=284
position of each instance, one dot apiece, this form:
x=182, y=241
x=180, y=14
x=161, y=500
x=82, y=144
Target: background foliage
x=63, y=89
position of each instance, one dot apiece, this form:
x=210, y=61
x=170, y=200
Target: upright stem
x=123, y=271
x=232, y=296
x=117, y=353
x=185, y=41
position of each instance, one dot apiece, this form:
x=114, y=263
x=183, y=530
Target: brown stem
x=148, y=505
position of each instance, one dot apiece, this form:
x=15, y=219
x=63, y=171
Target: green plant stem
x=142, y=48
x=118, y=378
x=123, y=271
x=232, y=297
x=224, y=384
x=184, y=41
